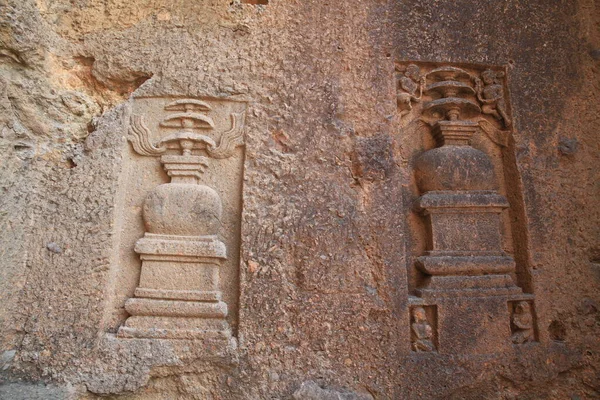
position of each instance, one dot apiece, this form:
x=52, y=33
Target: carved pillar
x=467, y=276
x=179, y=295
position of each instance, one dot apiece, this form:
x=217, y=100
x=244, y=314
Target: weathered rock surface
x=320, y=204
x=312, y=391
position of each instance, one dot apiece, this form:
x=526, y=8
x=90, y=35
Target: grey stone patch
x=6, y=358
x=595, y=269
x=568, y=146
x=53, y=247
x=33, y=391
x=310, y=390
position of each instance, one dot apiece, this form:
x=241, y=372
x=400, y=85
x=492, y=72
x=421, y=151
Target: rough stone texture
x=325, y=231
x=312, y=391
x=24, y=391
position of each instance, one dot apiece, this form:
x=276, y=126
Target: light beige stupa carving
x=179, y=295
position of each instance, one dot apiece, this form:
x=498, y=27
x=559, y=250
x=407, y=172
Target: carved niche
x=522, y=322
x=183, y=257
x=466, y=265
x=422, y=328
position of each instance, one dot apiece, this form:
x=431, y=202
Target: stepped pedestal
x=178, y=296
x=465, y=256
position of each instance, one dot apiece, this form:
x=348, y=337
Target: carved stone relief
x=423, y=335
x=522, y=321
x=490, y=94
x=409, y=83
x=465, y=265
x=189, y=247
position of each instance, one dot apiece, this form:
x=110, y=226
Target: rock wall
x=321, y=294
